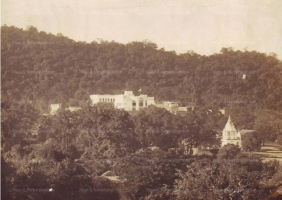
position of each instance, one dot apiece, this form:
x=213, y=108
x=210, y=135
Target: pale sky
x=204, y=26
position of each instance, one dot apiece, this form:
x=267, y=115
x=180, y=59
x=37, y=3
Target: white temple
x=230, y=134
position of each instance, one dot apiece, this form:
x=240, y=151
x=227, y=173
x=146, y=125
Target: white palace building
x=126, y=101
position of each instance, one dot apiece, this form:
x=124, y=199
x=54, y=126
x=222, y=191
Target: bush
x=229, y=151
x=251, y=142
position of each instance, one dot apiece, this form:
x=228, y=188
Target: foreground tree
x=198, y=128
x=156, y=127
x=269, y=124
x=229, y=151
x=240, y=180
x=149, y=174
x=251, y=141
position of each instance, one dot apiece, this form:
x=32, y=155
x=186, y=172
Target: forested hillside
x=43, y=68
x=100, y=152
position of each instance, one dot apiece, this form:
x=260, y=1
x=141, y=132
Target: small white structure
x=181, y=111
x=222, y=111
x=53, y=108
x=109, y=175
x=73, y=109
x=199, y=151
x=126, y=101
x=244, y=131
x=168, y=105
x=172, y=107
x=230, y=134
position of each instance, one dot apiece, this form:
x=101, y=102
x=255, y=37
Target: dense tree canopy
x=251, y=141
x=224, y=180
x=229, y=151
x=142, y=152
x=42, y=67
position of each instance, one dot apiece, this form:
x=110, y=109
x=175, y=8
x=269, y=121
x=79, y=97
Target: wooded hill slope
x=43, y=68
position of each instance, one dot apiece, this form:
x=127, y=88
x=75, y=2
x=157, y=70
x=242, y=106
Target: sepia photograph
x=141, y=100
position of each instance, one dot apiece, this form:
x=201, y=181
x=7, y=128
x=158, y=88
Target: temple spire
x=229, y=120
x=229, y=125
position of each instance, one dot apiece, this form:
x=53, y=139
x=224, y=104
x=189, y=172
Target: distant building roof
x=72, y=109
x=182, y=108
x=244, y=131
x=109, y=175
x=153, y=148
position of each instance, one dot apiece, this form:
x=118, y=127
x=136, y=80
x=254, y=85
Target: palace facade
x=127, y=101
